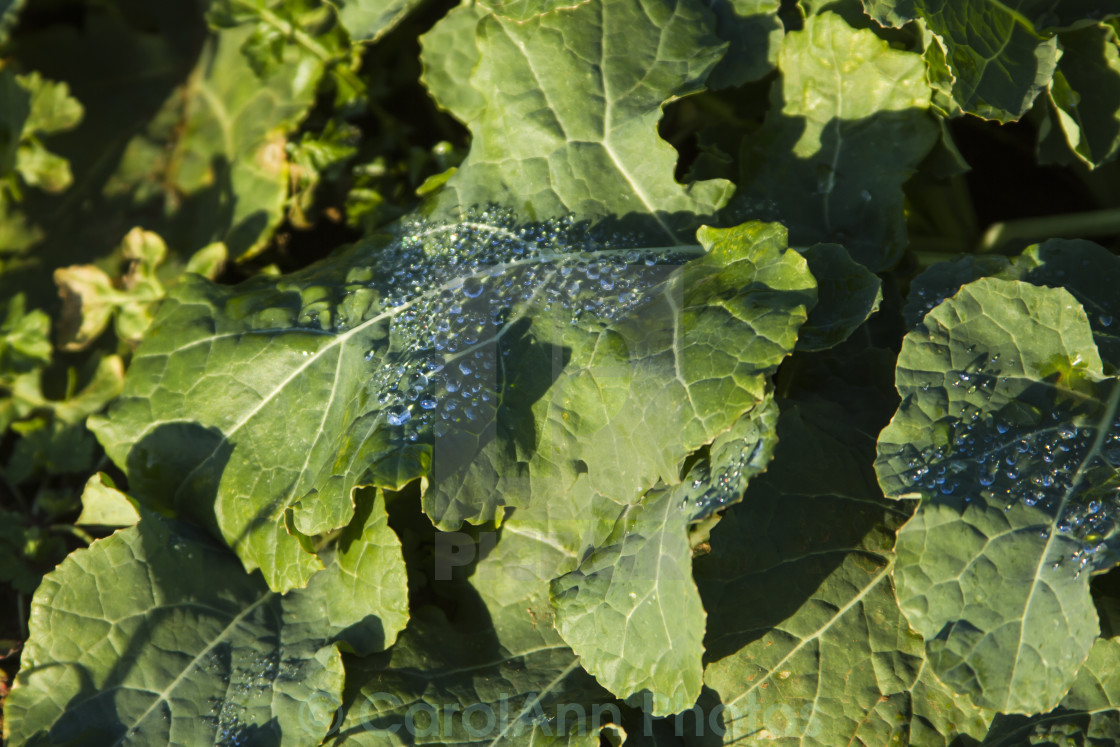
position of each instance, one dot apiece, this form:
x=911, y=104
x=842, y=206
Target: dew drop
x=398, y=415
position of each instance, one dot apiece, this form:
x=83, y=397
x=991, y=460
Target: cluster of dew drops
x=452, y=290
x=704, y=495
x=249, y=681
x=1047, y=466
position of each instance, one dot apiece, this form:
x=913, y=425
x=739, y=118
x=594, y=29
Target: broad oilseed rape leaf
x=445, y=355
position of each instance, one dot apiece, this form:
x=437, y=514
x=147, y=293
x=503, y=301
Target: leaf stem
x=81, y=534
x=1069, y=225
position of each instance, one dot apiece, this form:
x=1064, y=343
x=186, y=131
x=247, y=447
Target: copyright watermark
x=510, y=716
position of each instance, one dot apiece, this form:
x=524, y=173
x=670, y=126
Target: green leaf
x=494, y=672
x=24, y=338
x=369, y=20
x=104, y=505
x=847, y=294
x=996, y=56
x=834, y=151
x=234, y=139
x=1085, y=93
x=564, y=110
x=1091, y=707
x=805, y=640
x=631, y=611
x=126, y=648
x=411, y=373
x=1005, y=432
x=941, y=719
x=945, y=278
x=754, y=34
x=34, y=107
x=450, y=52
x=1087, y=270
x=53, y=109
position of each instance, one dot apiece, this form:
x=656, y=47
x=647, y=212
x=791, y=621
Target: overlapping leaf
x=1007, y=433
x=564, y=104
x=128, y=649
x=1085, y=93
x=847, y=127
x=1087, y=270
x=501, y=365
x=806, y=644
x=495, y=673
x=996, y=57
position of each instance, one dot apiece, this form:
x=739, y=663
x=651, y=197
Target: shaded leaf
x=834, y=151
x=805, y=640
x=110, y=644
x=369, y=20
x=754, y=34
x=995, y=57
x=9, y=12
x=495, y=672
x=847, y=294
x=1085, y=93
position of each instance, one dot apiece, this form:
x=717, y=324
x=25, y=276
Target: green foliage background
x=846, y=471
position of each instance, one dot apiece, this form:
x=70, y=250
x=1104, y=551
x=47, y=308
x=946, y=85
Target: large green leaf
x=630, y=608
x=500, y=363
x=126, y=648
x=998, y=56
x=832, y=156
x=1085, y=93
x=1006, y=432
x=806, y=644
x=564, y=109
